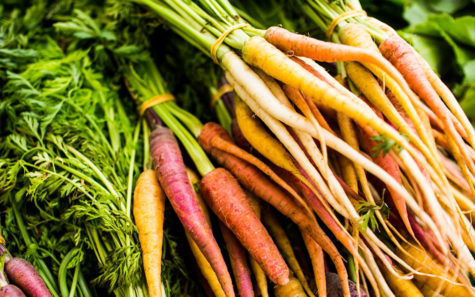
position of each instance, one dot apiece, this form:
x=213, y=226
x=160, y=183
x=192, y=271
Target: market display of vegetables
x=237, y=148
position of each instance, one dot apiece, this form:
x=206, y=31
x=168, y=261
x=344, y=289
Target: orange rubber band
x=154, y=101
x=342, y=17
x=223, y=90
x=217, y=43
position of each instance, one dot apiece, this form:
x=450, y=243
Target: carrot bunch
x=381, y=153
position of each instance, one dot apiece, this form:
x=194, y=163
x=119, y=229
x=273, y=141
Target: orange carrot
x=149, y=207
x=171, y=173
x=449, y=99
x=401, y=54
x=237, y=256
x=253, y=180
x=231, y=148
x=301, y=45
x=318, y=263
x=285, y=246
x=225, y=197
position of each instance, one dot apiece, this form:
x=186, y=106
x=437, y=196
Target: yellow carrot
x=424, y=263
x=401, y=287
x=259, y=274
x=292, y=289
x=349, y=172
x=278, y=65
x=149, y=206
x=256, y=134
x=285, y=247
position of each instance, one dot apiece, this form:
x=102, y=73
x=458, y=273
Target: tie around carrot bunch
x=367, y=165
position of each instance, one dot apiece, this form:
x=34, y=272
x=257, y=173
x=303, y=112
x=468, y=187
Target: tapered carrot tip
x=225, y=197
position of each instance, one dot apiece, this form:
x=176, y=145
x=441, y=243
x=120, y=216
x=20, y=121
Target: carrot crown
x=145, y=82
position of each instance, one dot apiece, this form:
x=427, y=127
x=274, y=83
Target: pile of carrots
x=371, y=162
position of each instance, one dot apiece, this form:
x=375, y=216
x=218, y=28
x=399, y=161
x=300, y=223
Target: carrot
x=227, y=200
x=261, y=140
x=369, y=86
x=301, y=45
x=349, y=171
x=390, y=166
x=278, y=65
x=149, y=207
x=231, y=148
x=356, y=35
x=261, y=95
x=292, y=289
x=283, y=242
x=401, y=287
x=282, y=133
x=318, y=263
x=427, y=291
x=448, y=98
x=171, y=173
x=256, y=182
x=321, y=211
x=302, y=104
x=204, y=266
x=259, y=275
x=426, y=264
x=237, y=256
x=26, y=278
x=400, y=53
x=264, y=142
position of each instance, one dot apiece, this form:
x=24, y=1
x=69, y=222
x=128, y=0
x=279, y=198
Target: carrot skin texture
x=173, y=178
x=225, y=197
x=24, y=275
x=11, y=291
x=149, y=208
x=248, y=175
x=237, y=256
x=402, y=56
x=318, y=264
x=284, y=244
x=254, y=180
x=203, y=265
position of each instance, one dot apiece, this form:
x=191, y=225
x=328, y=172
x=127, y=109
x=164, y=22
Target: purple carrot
x=227, y=98
x=24, y=275
x=11, y=291
x=334, y=287
x=171, y=172
x=317, y=206
x=237, y=255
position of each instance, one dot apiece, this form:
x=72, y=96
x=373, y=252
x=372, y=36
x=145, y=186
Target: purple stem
x=228, y=98
x=152, y=118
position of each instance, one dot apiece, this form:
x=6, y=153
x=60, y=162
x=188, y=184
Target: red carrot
x=390, y=166
x=225, y=197
x=256, y=182
x=171, y=173
x=237, y=256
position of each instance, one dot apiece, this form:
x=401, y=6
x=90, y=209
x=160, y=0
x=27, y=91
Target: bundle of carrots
x=381, y=142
